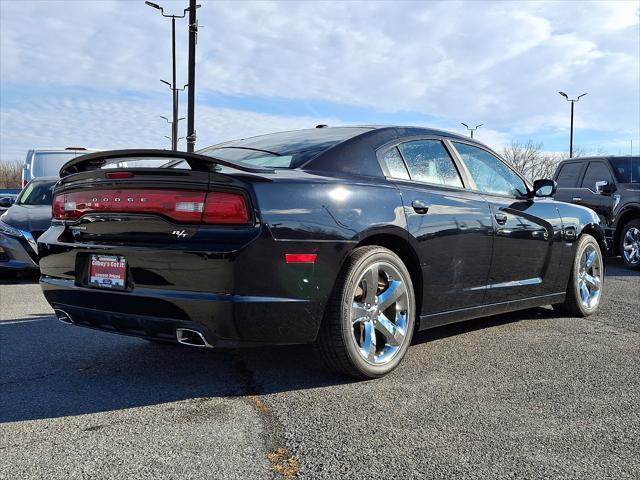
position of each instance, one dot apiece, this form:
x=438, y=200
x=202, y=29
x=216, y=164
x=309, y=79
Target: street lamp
x=571, y=134
x=174, y=90
x=472, y=129
x=171, y=123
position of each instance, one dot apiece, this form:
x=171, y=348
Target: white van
x=46, y=162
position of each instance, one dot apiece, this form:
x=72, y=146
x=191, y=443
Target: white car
x=46, y=162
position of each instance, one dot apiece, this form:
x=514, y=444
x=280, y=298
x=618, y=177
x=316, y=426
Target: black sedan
x=23, y=222
x=350, y=238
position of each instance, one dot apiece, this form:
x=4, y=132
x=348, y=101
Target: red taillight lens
x=182, y=206
x=225, y=208
x=24, y=183
x=179, y=205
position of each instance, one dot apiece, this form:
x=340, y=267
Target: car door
x=450, y=225
x=526, y=231
x=590, y=196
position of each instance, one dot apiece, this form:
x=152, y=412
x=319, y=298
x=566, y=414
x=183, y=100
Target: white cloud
x=125, y=124
x=498, y=63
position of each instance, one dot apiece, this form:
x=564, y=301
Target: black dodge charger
x=351, y=238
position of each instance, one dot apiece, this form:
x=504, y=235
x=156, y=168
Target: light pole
x=191, y=99
x=172, y=131
x=571, y=134
x=174, y=90
x=472, y=129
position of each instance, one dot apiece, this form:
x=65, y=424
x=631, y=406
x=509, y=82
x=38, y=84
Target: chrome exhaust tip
x=193, y=338
x=63, y=316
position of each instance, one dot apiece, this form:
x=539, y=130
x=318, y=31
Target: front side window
x=596, y=172
x=489, y=173
x=428, y=161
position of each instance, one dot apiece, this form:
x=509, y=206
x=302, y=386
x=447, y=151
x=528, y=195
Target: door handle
x=501, y=218
x=576, y=199
x=420, y=207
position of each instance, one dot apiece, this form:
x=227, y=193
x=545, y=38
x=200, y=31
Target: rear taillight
x=225, y=208
x=24, y=183
x=182, y=206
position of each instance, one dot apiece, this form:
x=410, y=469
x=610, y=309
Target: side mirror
x=544, y=188
x=605, y=188
x=6, y=202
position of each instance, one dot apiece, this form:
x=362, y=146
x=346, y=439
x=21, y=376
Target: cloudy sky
x=87, y=72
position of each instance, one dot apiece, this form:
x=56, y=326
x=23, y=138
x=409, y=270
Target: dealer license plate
x=108, y=271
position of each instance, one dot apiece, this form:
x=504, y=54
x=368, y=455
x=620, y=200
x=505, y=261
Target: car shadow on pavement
x=10, y=277
x=51, y=370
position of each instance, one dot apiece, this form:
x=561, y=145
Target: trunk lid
x=142, y=197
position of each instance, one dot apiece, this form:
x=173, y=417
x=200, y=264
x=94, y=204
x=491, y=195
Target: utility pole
x=571, y=132
x=472, y=129
x=174, y=90
x=191, y=100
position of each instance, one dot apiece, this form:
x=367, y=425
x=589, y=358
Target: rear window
x=48, y=164
x=568, y=175
x=255, y=158
x=627, y=169
x=284, y=149
x=37, y=193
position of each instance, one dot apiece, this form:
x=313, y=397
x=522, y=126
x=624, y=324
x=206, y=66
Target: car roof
x=327, y=147
x=597, y=157
x=45, y=179
x=66, y=150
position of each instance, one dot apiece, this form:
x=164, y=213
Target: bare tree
x=10, y=174
x=531, y=160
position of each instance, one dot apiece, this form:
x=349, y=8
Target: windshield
x=627, y=169
x=37, y=193
x=48, y=164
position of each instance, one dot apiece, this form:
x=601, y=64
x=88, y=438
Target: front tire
x=586, y=282
x=370, y=317
x=630, y=244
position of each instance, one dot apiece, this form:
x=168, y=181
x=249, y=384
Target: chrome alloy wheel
x=590, y=277
x=631, y=245
x=380, y=313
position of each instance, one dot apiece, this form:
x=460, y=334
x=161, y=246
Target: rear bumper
x=223, y=320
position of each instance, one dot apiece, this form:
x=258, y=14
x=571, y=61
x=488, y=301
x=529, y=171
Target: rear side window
x=428, y=161
x=596, y=172
x=395, y=164
x=568, y=175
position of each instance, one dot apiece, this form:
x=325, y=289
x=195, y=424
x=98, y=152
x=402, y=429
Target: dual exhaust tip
x=193, y=338
x=184, y=336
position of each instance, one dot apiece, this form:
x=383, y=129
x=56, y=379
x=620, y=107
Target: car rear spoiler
x=203, y=163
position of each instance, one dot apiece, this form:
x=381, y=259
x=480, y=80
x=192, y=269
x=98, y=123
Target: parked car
x=350, y=238
x=23, y=223
x=47, y=162
x=611, y=187
x=7, y=198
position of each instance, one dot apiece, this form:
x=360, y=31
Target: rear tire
x=630, y=244
x=586, y=281
x=370, y=317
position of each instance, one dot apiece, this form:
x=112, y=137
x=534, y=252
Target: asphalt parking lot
x=525, y=395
